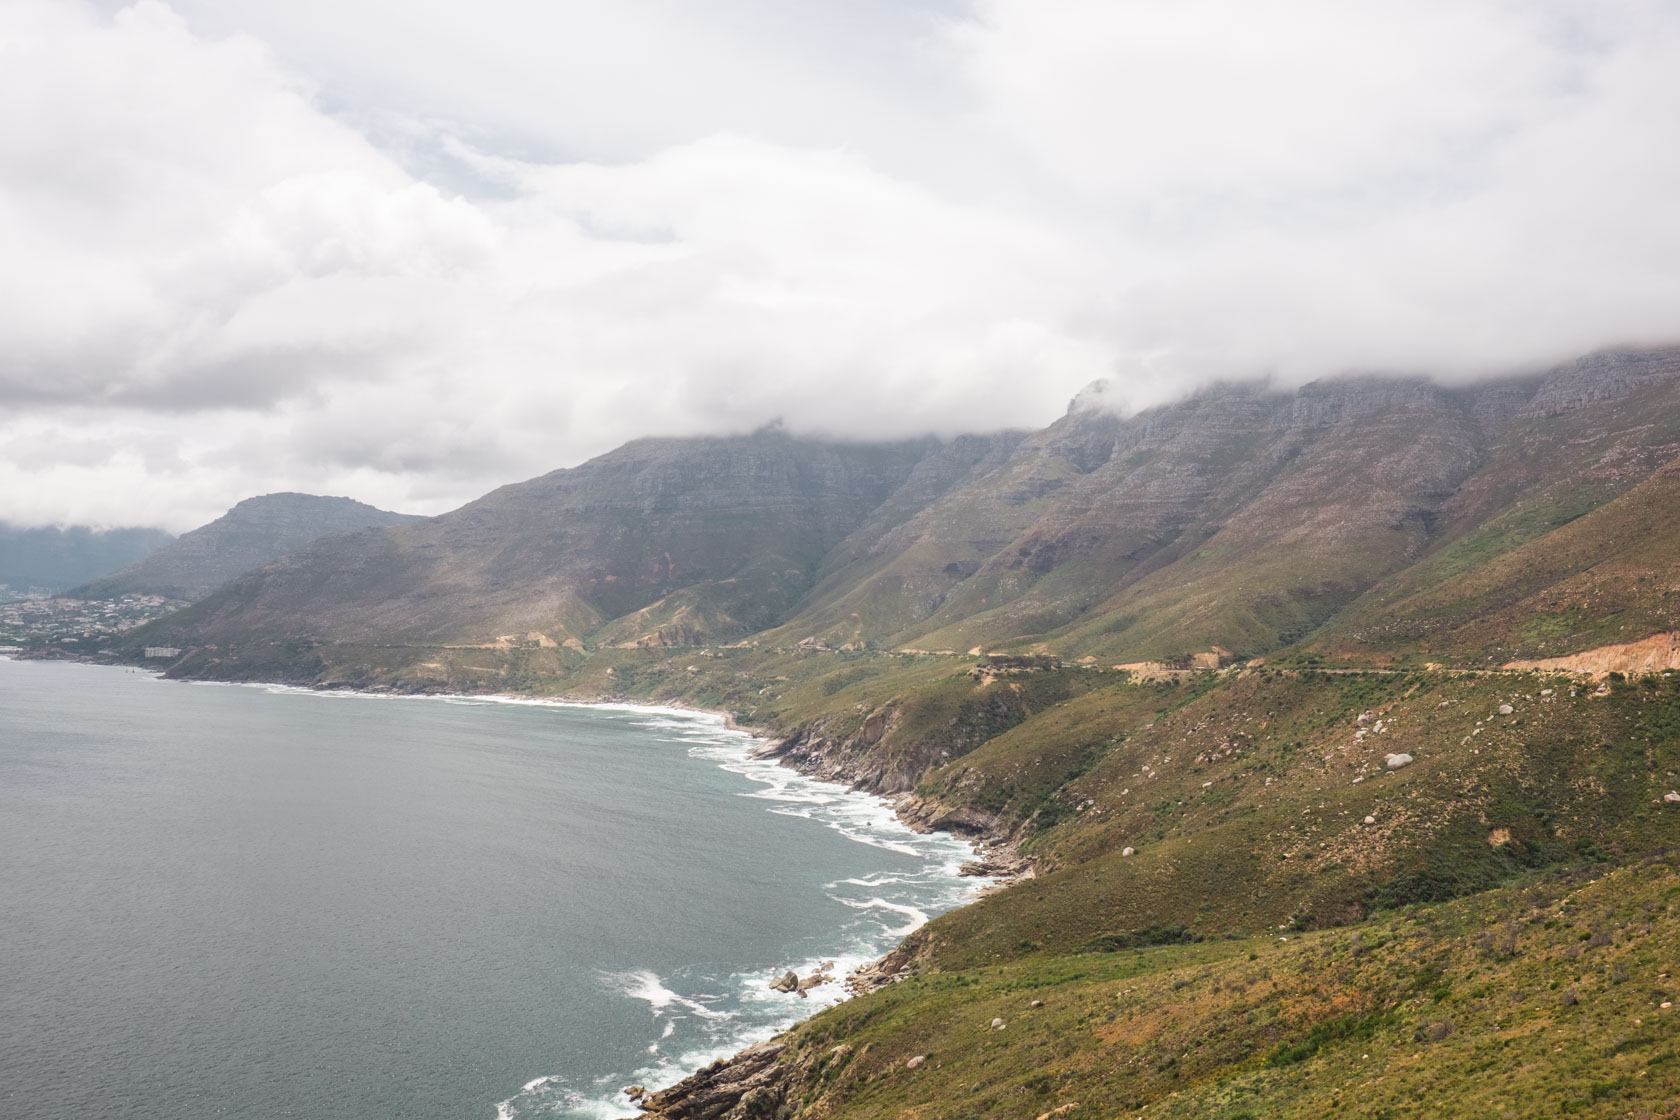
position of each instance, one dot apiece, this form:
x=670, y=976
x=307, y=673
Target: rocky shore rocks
x=750, y=1084
x=790, y=982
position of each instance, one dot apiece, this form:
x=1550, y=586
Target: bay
x=249, y=902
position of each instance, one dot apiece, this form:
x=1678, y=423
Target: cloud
x=422, y=254
x=1443, y=187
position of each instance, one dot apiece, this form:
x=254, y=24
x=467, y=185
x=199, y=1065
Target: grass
x=1538, y=999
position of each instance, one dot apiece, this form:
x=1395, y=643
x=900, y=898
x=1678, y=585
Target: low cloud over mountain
x=408, y=260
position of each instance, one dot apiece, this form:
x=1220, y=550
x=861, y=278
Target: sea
x=254, y=901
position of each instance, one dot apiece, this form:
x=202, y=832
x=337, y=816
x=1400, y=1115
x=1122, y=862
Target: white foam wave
x=877, y=881
x=646, y=986
x=918, y=917
x=741, y=1008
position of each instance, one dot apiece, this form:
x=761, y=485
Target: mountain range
x=1373, y=519
x=1329, y=738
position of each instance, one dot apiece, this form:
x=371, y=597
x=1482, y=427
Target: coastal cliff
x=1310, y=713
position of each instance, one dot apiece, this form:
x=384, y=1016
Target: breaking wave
x=700, y=1014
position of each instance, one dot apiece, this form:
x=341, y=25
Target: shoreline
x=757, y=745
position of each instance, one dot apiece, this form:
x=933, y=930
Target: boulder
x=1506, y=709
x=1397, y=761
x=1672, y=797
x=1068, y=1107
x=786, y=982
x=915, y=1063
x=1370, y=820
x=1127, y=851
x=635, y=1092
x=998, y=1024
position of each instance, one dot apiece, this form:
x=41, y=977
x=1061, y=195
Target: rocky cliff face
x=249, y=535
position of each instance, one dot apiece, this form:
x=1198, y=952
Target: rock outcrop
x=1648, y=655
x=749, y=1085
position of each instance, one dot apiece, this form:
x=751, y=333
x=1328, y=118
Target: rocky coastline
x=752, y=1082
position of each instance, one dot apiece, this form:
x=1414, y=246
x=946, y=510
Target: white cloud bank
x=235, y=264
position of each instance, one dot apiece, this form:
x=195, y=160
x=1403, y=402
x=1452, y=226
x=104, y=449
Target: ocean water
x=234, y=901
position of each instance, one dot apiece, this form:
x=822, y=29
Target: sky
x=408, y=253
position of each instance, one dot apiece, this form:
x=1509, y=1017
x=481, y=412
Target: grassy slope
x=1566, y=584
x=1483, y=948
x=1251, y=812
x=1565, y=541
x=1540, y=999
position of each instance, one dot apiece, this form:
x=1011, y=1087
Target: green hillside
x=1321, y=847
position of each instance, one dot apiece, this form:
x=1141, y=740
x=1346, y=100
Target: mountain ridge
x=1242, y=518
x=254, y=532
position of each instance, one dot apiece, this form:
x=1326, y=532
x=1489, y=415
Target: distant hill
x=251, y=534
x=54, y=559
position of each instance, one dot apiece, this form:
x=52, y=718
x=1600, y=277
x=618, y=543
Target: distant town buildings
x=81, y=624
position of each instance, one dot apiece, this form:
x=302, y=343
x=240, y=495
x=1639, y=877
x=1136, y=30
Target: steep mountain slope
x=54, y=559
x=1240, y=520
x=662, y=542
x=247, y=536
x=1243, y=518
x=1582, y=547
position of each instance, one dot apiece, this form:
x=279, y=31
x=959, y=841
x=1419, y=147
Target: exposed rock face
x=750, y=1084
x=1601, y=376
x=251, y=534
x=1649, y=655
